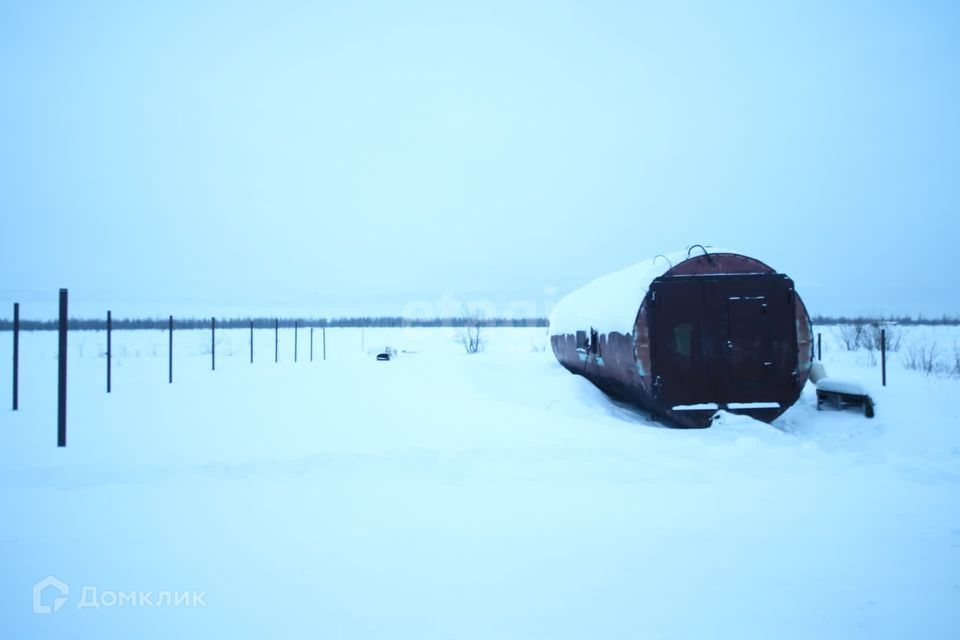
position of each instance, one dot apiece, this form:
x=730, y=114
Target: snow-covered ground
x=445, y=495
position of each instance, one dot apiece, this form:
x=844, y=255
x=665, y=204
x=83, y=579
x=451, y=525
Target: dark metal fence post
x=276, y=340
x=62, y=374
x=324, y=332
x=296, y=331
x=819, y=349
x=109, y=346
x=251, y=342
x=883, y=355
x=16, y=356
x=311, y=344
x=170, y=352
x=213, y=344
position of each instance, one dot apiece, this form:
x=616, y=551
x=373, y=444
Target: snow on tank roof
x=611, y=302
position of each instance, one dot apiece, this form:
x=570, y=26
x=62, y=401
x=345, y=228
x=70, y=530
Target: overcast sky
x=353, y=157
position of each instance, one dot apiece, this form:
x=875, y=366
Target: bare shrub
x=872, y=335
x=470, y=334
x=894, y=339
x=206, y=348
x=956, y=360
x=852, y=335
x=868, y=359
x=924, y=357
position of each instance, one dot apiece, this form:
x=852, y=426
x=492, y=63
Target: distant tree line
x=87, y=324
x=99, y=324
x=944, y=320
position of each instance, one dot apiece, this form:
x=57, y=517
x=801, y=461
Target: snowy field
x=445, y=495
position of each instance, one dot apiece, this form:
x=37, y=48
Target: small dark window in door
x=682, y=336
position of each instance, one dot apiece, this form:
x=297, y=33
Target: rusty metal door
x=749, y=344
x=677, y=341
x=723, y=339
x=761, y=339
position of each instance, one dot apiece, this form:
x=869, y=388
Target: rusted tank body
x=683, y=335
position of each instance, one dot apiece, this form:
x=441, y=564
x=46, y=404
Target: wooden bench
x=842, y=394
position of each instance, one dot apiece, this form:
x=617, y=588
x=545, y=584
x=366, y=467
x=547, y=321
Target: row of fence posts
x=62, y=328
x=213, y=344
x=883, y=354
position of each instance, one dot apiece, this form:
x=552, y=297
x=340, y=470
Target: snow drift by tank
x=683, y=336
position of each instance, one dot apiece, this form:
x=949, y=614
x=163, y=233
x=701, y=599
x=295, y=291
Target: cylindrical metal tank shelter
x=683, y=336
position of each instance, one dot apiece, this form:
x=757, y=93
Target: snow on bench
x=832, y=385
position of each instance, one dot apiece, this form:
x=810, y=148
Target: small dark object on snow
x=383, y=357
